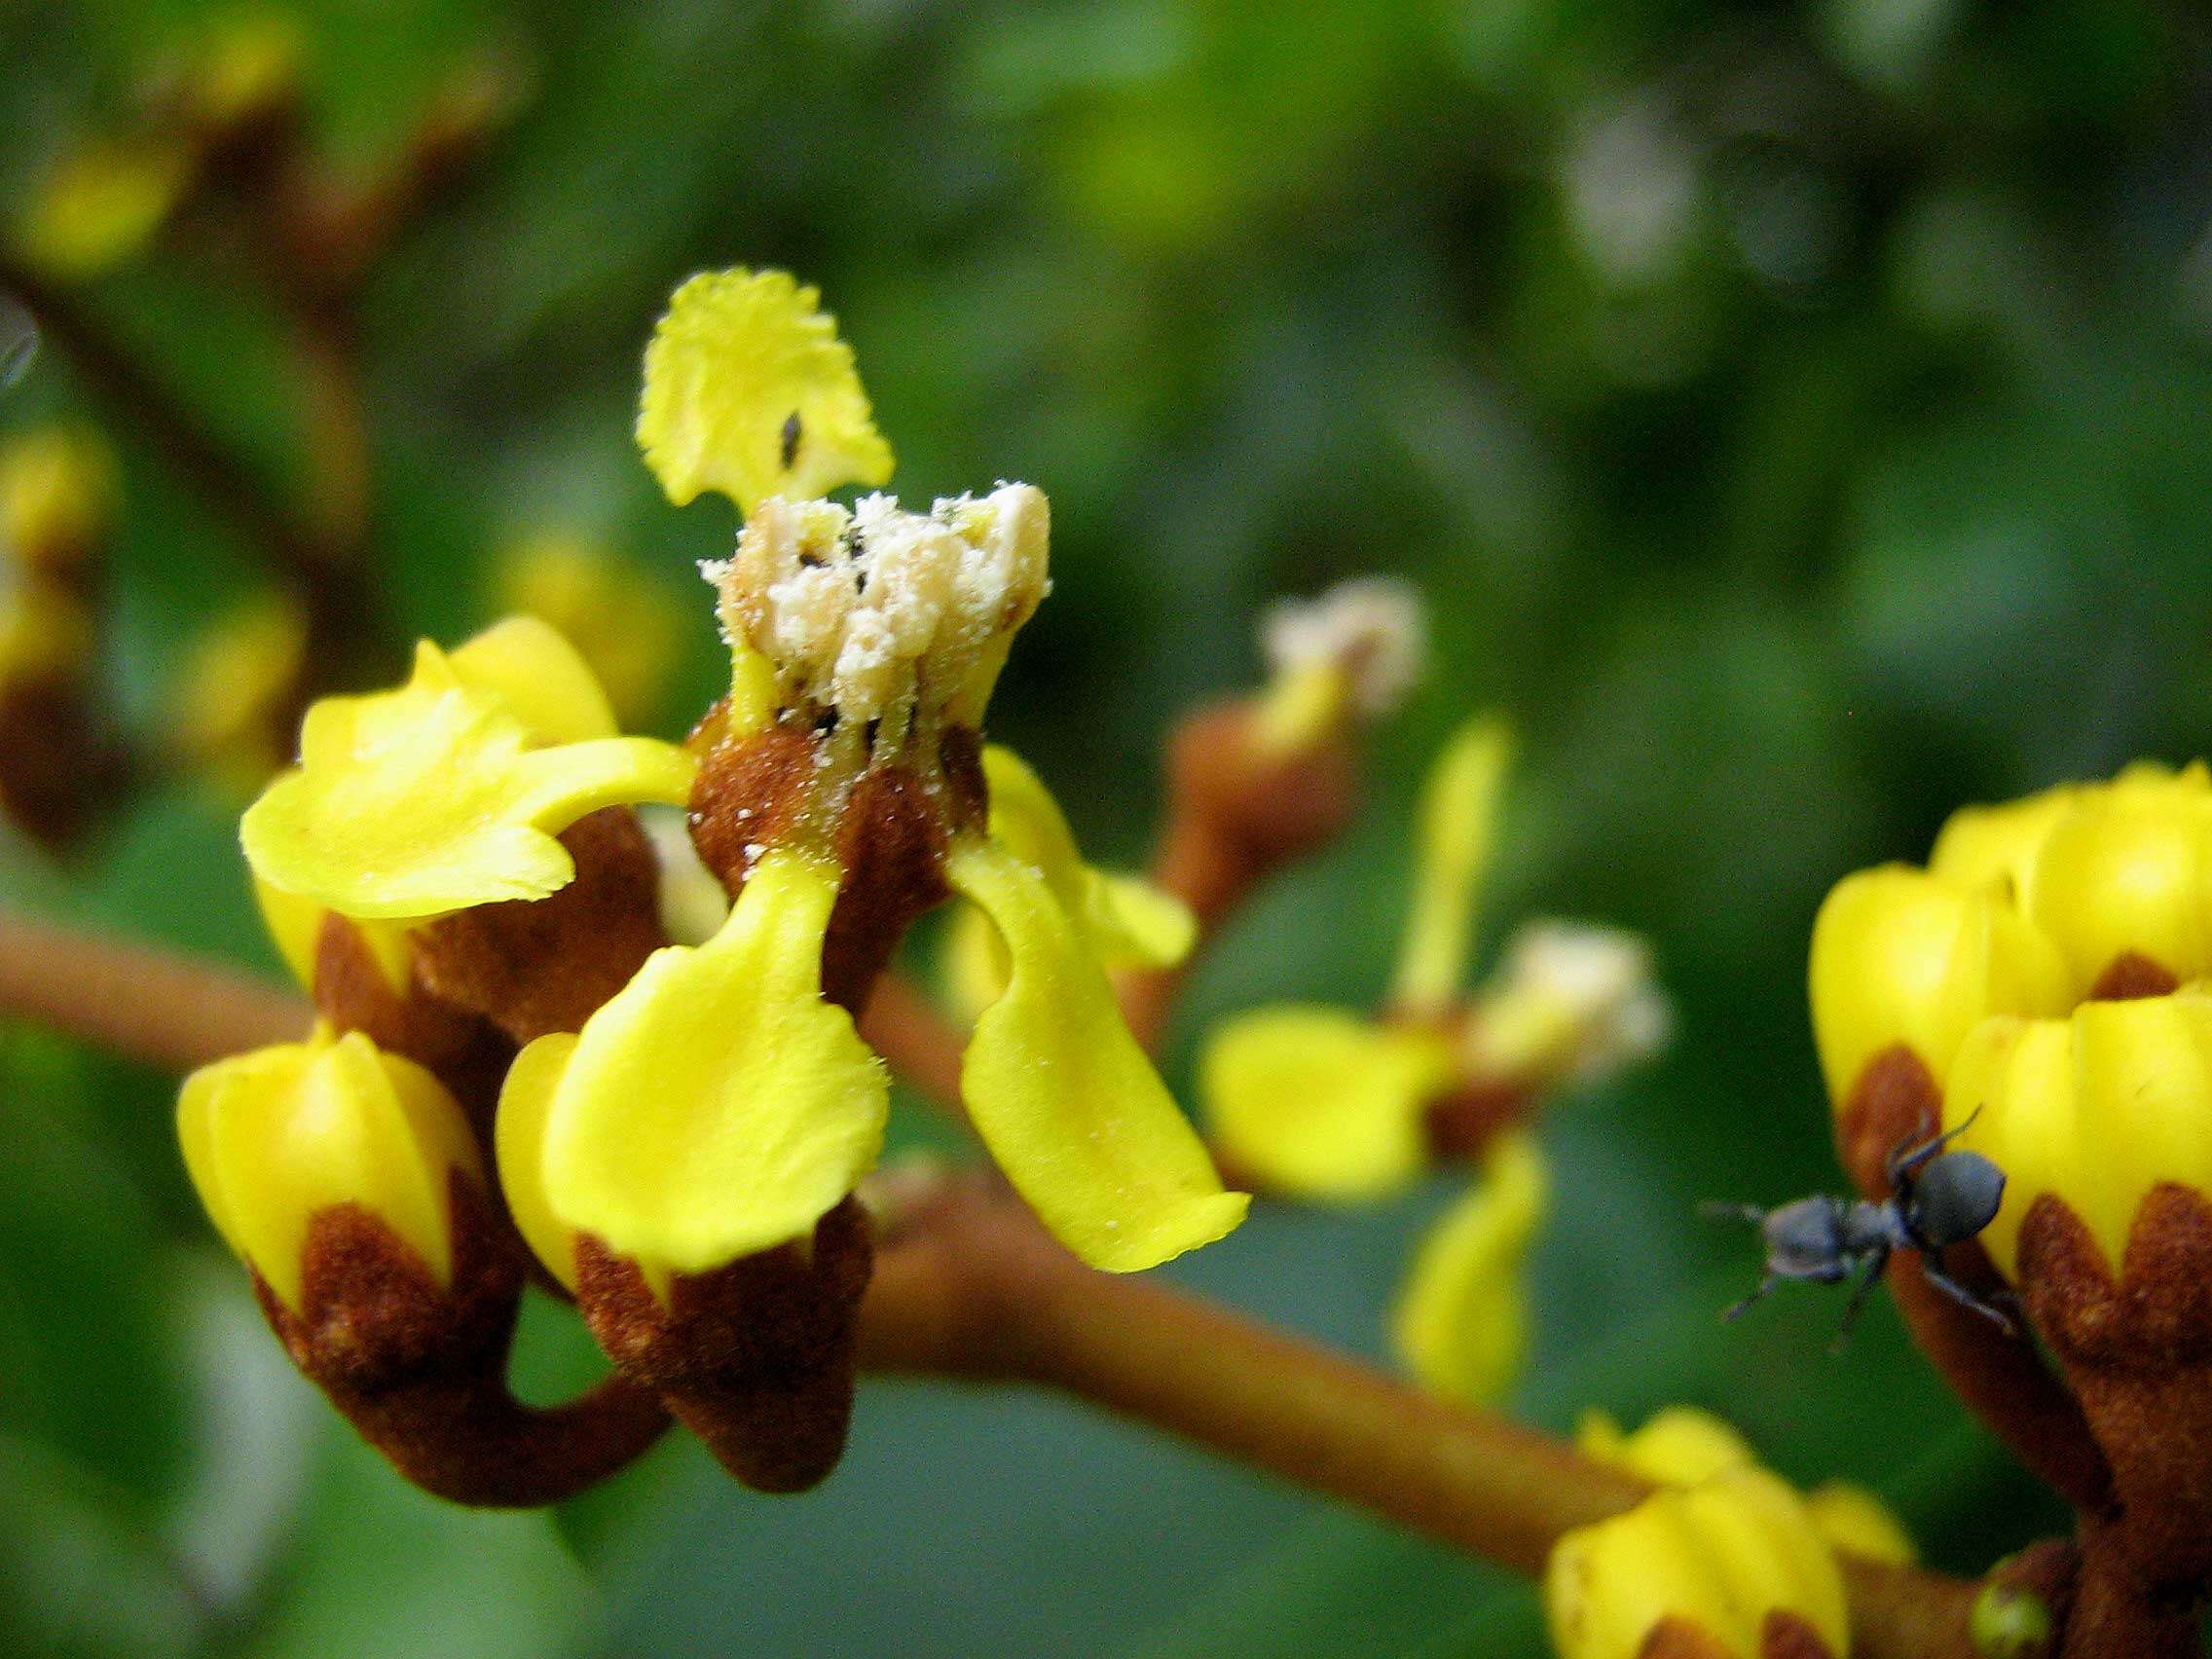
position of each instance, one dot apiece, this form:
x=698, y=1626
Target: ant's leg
x=1740, y=1308
x=1720, y=1209
x=1904, y=1159
x=1858, y=1293
x=1935, y=1274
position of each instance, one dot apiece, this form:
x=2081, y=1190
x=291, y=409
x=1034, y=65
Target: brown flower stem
x=967, y=1285
x=167, y=1011
x=900, y=1024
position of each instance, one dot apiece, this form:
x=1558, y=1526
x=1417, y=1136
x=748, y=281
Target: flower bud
x=1354, y=650
x=1732, y=1565
x=2097, y=1109
x=1905, y=959
x=276, y=1138
x=1570, y=1002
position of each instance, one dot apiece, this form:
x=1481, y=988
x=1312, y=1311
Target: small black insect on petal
x=790, y=439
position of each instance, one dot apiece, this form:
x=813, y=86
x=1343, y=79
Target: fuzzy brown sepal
x=1238, y=814
x=2116, y=1612
x=535, y=966
x=756, y=1357
x=419, y=1369
x=2000, y=1378
x=2138, y=1353
x=2132, y=975
x=889, y=837
x=465, y=1053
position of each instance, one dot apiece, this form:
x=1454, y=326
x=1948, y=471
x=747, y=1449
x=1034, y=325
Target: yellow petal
x=102, y=205
x=1771, y=1554
x=2128, y=868
x=1319, y=1103
x=1066, y=1101
x=233, y=694
x=1459, y=814
x=275, y=1137
x=2098, y=1108
x=1676, y=1446
x=525, y=1100
x=427, y=799
x=1461, y=1321
x=1903, y=957
x=1851, y=1518
x=1129, y=922
x=1996, y=847
x=750, y=392
x=717, y=1106
x=542, y=679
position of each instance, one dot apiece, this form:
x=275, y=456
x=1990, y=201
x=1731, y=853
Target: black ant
x=1937, y=1199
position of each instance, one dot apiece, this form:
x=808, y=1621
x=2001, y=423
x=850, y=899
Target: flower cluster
x=1335, y=1106
x=516, y=1071
x=2037, y=990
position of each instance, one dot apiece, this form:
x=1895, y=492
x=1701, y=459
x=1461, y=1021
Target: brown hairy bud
x=757, y=1358
x=419, y=1370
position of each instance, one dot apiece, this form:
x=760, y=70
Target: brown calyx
x=419, y=1369
x=1678, y=1638
x=2138, y=1353
x=889, y=837
x=2131, y=974
x=541, y=965
x=1461, y=1122
x=1238, y=814
x=757, y=1357
x=2000, y=1378
x=60, y=766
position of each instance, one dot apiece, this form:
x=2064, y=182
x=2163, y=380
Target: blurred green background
x=1795, y=417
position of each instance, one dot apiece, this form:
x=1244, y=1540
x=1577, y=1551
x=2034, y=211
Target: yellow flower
x=1461, y=1321
x=448, y=792
x=275, y=1137
x=1903, y=957
x=57, y=496
x=2098, y=1107
x=722, y=1103
x=1328, y=1104
x=623, y=623
x=1680, y=1446
x=750, y=392
x=1722, y=1556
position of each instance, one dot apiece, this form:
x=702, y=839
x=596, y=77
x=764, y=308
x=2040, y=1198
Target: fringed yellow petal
x=620, y=621
x=543, y=680
x=102, y=205
x=1901, y=956
x=1128, y=921
x=1676, y=1446
x=273, y=1137
x=750, y=392
x=1719, y=1556
x=1996, y=847
x=1459, y=814
x=1462, y=1322
x=1853, y=1519
x=2097, y=1109
x=429, y=798
x=717, y=1106
x=1319, y=1103
x=518, y=1135
x=1065, y=1099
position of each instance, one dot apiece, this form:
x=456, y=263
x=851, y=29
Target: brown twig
x=968, y=1286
